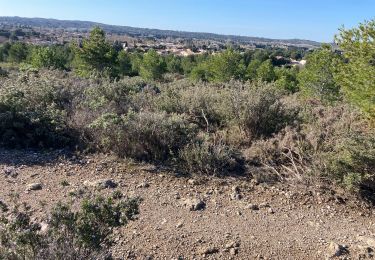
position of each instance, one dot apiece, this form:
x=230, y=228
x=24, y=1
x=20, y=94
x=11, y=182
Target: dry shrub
x=333, y=145
x=286, y=155
x=234, y=136
x=344, y=146
x=204, y=103
x=257, y=108
x=264, y=111
x=211, y=156
x=144, y=135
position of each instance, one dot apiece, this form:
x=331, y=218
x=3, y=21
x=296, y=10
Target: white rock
x=101, y=184
x=34, y=186
x=194, y=204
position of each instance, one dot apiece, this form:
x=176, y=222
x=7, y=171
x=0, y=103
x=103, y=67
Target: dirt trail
x=237, y=218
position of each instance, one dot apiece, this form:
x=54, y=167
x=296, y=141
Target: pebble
x=236, y=189
x=179, y=225
x=208, y=250
x=233, y=251
x=101, y=184
x=370, y=241
x=194, y=204
x=334, y=250
x=236, y=196
x=192, y=182
x=34, y=186
x=10, y=172
x=143, y=185
x=252, y=206
x=231, y=244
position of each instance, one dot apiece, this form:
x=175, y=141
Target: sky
x=280, y=19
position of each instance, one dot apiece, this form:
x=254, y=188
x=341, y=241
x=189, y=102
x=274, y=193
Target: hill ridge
x=137, y=31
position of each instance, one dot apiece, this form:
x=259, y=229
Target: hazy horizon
x=311, y=20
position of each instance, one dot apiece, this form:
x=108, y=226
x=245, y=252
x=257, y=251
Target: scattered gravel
x=194, y=218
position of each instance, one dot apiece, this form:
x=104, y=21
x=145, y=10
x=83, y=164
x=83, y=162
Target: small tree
x=317, y=78
x=226, y=66
x=18, y=52
x=200, y=72
x=4, y=51
x=357, y=74
x=265, y=72
x=96, y=54
x=124, y=63
x=49, y=57
x=153, y=66
x=174, y=64
x=251, y=71
x=287, y=78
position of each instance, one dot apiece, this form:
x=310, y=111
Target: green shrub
x=261, y=110
x=152, y=66
x=34, y=111
x=53, y=57
x=70, y=235
x=353, y=163
x=204, y=103
x=356, y=74
x=112, y=96
x=3, y=73
x=317, y=80
x=144, y=135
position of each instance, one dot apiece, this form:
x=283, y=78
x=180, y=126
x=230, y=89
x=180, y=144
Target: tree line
x=329, y=75
x=96, y=54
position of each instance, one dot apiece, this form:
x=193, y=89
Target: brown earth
x=239, y=218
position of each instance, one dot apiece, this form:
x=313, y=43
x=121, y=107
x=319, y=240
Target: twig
x=205, y=118
x=273, y=169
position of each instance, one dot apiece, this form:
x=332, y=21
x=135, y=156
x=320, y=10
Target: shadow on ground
x=33, y=157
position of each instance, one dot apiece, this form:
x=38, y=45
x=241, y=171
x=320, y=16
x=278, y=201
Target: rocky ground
x=197, y=218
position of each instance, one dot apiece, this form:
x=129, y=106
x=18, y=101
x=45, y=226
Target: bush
x=211, y=157
x=352, y=163
x=3, y=73
x=206, y=104
x=344, y=146
x=257, y=108
x=84, y=234
x=54, y=57
x=144, y=135
x=34, y=111
x=152, y=66
x=262, y=111
x=111, y=96
x=285, y=156
x=333, y=144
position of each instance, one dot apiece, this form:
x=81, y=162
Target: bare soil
x=241, y=219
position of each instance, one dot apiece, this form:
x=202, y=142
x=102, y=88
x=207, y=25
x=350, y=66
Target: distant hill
x=134, y=31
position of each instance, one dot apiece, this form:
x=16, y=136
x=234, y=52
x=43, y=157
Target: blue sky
x=305, y=19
